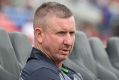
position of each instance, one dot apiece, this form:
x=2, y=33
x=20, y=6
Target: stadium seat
x=5, y=75
x=13, y=57
x=9, y=67
x=102, y=58
x=113, y=51
x=21, y=45
x=82, y=54
x=81, y=50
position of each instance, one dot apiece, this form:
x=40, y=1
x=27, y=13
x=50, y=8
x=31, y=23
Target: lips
x=65, y=51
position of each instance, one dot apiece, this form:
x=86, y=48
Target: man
x=54, y=30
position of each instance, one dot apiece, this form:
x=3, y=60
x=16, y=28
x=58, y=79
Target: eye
x=61, y=33
x=72, y=33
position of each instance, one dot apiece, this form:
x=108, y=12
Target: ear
x=38, y=34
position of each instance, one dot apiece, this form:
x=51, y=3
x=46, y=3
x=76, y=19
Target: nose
x=69, y=39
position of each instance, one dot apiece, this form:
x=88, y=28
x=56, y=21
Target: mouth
x=65, y=51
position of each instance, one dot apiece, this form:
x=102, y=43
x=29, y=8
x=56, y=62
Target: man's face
x=58, y=38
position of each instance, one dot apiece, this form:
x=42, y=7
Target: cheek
x=54, y=42
x=49, y=41
x=56, y=45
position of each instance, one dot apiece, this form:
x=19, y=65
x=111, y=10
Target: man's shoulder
x=34, y=65
x=40, y=67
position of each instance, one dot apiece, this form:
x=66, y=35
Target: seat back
x=101, y=57
x=21, y=45
x=99, y=52
x=113, y=51
x=8, y=62
x=82, y=54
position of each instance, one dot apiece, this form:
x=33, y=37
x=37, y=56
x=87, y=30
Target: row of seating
x=92, y=55
x=15, y=48
x=88, y=57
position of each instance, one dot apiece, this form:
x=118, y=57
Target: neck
x=57, y=63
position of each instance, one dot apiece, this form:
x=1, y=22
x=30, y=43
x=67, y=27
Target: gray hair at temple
x=48, y=10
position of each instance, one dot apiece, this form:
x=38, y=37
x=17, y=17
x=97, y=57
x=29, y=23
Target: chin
x=64, y=58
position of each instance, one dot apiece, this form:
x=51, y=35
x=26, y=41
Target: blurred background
x=98, y=18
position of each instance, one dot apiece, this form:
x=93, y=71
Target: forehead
x=62, y=23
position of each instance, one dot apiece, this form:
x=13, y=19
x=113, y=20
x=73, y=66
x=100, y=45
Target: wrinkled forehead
x=55, y=19
x=62, y=23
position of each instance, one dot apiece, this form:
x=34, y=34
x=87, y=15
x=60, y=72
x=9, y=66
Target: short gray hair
x=52, y=8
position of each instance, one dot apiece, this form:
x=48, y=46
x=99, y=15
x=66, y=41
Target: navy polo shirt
x=39, y=67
